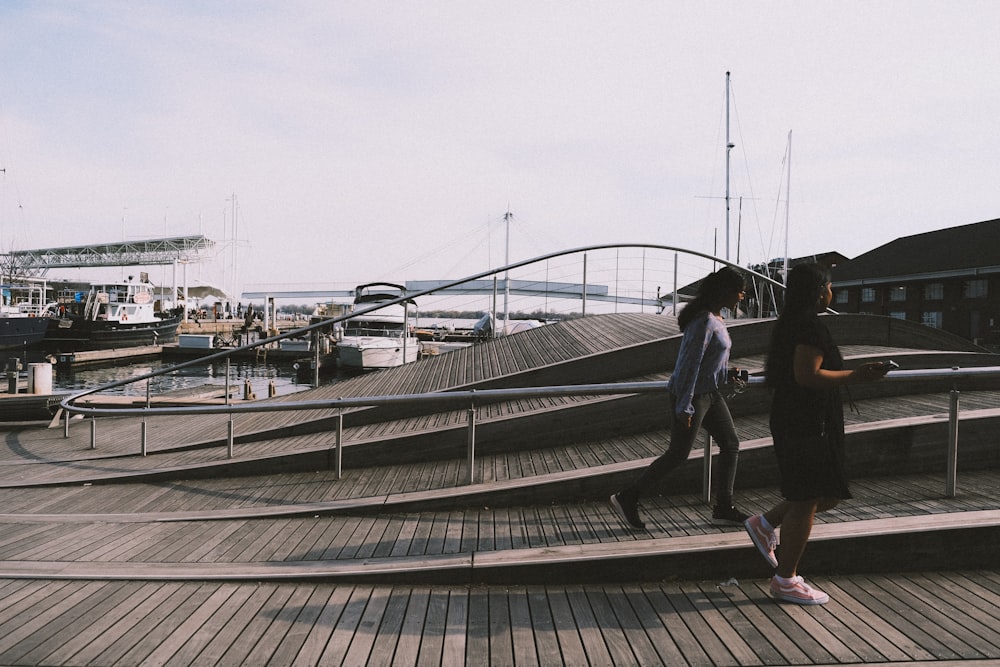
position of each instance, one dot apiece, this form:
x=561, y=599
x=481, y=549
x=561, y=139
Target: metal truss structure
x=183, y=249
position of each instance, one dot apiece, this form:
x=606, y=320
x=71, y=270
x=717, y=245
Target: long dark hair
x=802, y=289
x=715, y=287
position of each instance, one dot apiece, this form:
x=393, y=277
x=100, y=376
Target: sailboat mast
x=788, y=197
x=729, y=147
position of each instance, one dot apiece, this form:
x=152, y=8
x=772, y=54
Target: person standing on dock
x=805, y=371
x=695, y=398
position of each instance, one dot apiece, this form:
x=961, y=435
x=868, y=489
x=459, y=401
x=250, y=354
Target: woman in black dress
x=805, y=370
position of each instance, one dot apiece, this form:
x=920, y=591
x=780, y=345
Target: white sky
x=373, y=140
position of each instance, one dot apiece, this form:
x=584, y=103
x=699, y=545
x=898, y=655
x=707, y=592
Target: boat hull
x=374, y=353
x=75, y=335
x=22, y=332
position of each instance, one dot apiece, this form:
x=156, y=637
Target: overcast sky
x=370, y=140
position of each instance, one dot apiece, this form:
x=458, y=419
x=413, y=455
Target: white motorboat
x=382, y=338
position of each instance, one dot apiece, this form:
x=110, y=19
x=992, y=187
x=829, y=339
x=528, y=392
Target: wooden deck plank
x=244, y=609
x=179, y=645
x=327, y=605
x=158, y=628
x=633, y=624
x=456, y=629
x=411, y=628
x=260, y=615
x=212, y=626
x=433, y=629
x=123, y=635
x=282, y=619
x=361, y=644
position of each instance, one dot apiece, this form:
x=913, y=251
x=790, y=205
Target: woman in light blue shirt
x=695, y=397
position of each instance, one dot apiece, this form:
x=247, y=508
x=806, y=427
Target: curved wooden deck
x=186, y=557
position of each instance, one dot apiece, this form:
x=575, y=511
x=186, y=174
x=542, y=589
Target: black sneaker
x=725, y=516
x=629, y=513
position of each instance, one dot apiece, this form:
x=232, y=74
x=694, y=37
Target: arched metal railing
x=761, y=284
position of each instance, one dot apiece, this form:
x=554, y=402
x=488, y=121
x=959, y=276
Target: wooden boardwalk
x=214, y=563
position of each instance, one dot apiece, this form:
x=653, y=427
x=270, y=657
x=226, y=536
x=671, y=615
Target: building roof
x=964, y=250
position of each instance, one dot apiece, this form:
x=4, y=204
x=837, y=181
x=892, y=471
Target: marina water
x=261, y=376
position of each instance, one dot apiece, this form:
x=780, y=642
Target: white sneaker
x=796, y=590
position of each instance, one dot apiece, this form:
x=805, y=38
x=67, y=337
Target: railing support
x=143, y=437
x=66, y=424
x=470, y=473
x=951, y=474
x=93, y=432
x=338, y=454
x=706, y=479
x=230, y=429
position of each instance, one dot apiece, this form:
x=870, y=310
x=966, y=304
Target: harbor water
x=283, y=377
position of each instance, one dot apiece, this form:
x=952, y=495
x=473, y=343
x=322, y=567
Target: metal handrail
x=473, y=397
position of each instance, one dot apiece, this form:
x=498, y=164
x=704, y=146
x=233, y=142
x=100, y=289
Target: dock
x=187, y=557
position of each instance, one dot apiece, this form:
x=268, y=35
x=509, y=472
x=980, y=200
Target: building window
x=897, y=294
x=842, y=296
x=932, y=318
x=868, y=294
x=974, y=289
x=934, y=291
x=897, y=314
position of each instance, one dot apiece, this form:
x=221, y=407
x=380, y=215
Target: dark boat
x=109, y=316
x=23, y=321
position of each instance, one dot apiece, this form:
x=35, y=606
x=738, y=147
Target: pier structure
x=177, y=250
x=271, y=554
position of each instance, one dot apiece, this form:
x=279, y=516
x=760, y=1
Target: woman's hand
x=870, y=371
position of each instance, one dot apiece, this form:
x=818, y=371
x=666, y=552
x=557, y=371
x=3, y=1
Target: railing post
x=231, y=428
x=951, y=475
x=315, y=342
x=339, y=449
x=66, y=424
x=143, y=438
x=93, y=432
x=706, y=480
x=470, y=476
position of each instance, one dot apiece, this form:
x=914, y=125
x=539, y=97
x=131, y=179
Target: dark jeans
x=712, y=413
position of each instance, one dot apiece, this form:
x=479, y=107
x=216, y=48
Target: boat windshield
x=369, y=328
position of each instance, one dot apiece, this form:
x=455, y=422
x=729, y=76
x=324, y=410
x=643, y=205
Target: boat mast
x=729, y=148
x=788, y=197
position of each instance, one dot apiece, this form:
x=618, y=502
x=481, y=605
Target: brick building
x=947, y=279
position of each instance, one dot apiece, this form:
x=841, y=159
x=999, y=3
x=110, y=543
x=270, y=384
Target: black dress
x=807, y=424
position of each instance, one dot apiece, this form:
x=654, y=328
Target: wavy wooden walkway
x=404, y=564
